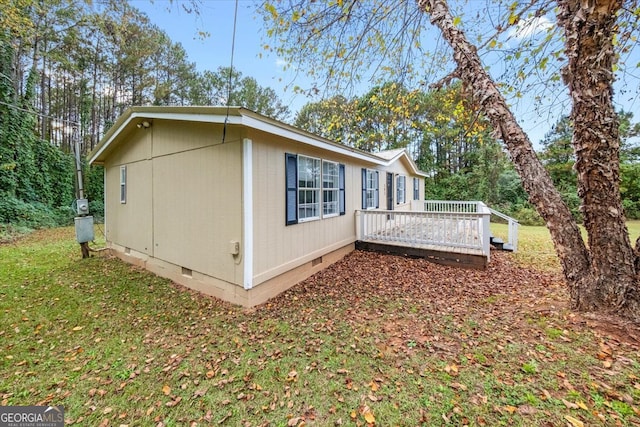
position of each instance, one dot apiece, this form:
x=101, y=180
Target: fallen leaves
x=574, y=421
x=368, y=416
x=292, y=376
x=173, y=402
x=365, y=413
x=399, y=342
x=166, y=390
x=451, y=369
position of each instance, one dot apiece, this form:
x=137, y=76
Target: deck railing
x=462, y=229
x=451, y=206
x=441, y=223
x=473, y=206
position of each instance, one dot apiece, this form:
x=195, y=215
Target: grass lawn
x=374, y=340
x=535, y=248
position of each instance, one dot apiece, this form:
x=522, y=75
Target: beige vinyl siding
x=197, y=209
x=277, y=247
x=135, y=147
x=183, y=196
x=174, y=136
x=197, y=183
x=398, y=168
x=129, y=224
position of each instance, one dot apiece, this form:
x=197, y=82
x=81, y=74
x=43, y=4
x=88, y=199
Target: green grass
x=536, y=249
x=117, y=345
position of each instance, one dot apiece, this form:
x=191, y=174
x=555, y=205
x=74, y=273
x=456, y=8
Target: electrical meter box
x=84, y=229
x=82, y=206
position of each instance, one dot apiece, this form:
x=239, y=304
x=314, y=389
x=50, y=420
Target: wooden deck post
x=486, y=230
x=358, y=225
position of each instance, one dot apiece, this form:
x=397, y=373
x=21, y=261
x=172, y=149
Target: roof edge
x=238, y=116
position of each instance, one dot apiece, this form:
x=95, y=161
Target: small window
x=401, y=189
x=123, y=184
x=308, y=188
x=370, y=188
x=330, y=188
x=416, y=188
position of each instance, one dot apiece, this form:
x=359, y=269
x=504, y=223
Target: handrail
x=513, y=224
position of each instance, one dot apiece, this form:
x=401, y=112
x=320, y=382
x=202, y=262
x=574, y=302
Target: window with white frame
x=416, y=188
x=370, y=193
x=330, y=188
x=308, y=188
x=123, y=184
x=401, y=185
x=312, y=184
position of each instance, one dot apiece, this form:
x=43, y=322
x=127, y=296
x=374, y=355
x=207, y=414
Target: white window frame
x=371, y=188
x=314, y=190
x=123, y=184
x=401, y=189
x=416, y=188
x=330, y=189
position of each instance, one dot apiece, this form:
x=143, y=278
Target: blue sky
x=208, y=53
x=217, y=16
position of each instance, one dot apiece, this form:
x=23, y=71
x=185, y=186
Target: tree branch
x=446, y=80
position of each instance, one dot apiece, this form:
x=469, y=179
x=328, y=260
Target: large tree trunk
x=589, y=29
x=599, y=291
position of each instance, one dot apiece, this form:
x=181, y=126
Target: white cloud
x=531, y=27
x=282, y=63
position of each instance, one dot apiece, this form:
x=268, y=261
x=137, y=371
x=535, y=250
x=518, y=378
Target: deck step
x=500, y=244
x=496, y=242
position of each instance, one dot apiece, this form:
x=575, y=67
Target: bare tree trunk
x=603, y=279
x=589, y=28
x=535, y=179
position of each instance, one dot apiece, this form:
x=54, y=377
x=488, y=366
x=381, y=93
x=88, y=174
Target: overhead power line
x=39, y=114
x=233, y=45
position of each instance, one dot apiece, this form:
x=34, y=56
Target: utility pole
x=83, y=221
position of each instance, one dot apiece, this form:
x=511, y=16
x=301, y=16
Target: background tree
x=68, y=70
x=330, y=118
x=559, y=159
x=347, y=36
x=442, y=131
x=212, y=88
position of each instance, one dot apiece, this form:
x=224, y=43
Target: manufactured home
x=237, y=205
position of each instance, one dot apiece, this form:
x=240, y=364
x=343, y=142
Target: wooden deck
x=452, y=238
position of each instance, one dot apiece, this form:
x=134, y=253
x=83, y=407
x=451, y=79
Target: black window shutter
x=364, y=188
x=341, y=198
x=291, y=171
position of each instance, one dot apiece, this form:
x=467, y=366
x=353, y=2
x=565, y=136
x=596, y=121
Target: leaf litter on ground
x=372, y=340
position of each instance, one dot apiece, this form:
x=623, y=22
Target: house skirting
x=444, y=257
x=231, y=292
